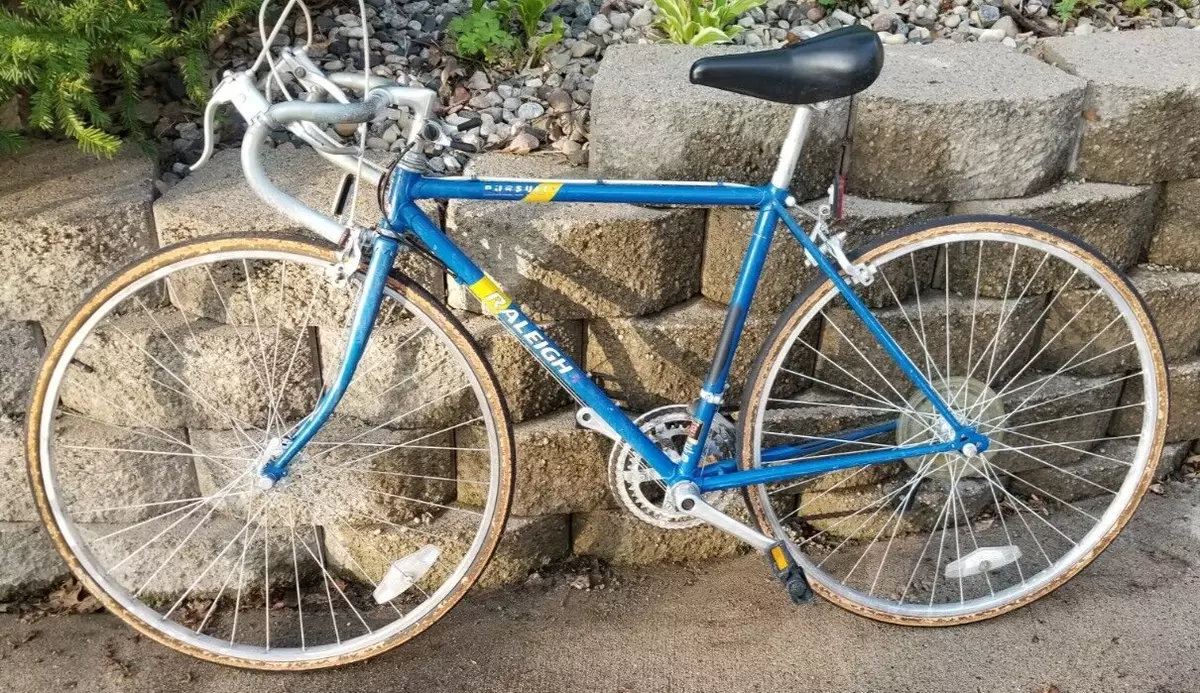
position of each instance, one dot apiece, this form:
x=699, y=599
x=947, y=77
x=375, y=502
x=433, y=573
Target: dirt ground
x=1131, y=622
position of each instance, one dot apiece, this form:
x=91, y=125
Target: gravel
x=545, y=104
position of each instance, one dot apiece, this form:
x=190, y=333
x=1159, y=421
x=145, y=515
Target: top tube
x=717, y=194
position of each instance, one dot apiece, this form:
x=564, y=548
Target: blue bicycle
x=283, y=453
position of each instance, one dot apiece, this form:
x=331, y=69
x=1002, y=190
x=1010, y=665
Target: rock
x=784, y=273
x=530, y=110
x=527, y=544
x=31, y=567
x=618, y=20
x=884, y=21
x=643, y=17
x=706, y=133
x=621, y=539
x=582, y=49
x=599, y=25
x=577, y=260
x=1175, y=242
x=1116, y=220
x=1138, y=124
x=1009, y=142
x=1007, y=25
x=523, y=143
x=489, y=99
x=216, y=200
x=479, y=81
x=560, y=101
x=561, y=467
x=991, y=36
x=22, y=344
x=989, y=15
x=65, y=210
x=659, y=359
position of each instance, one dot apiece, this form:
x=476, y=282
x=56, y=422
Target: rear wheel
x=1027, y=335
x=163, y=395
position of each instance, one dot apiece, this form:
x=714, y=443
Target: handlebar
x=298, y=117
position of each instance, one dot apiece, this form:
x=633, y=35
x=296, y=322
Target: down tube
x=533, y=338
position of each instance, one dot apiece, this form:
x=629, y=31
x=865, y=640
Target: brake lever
x=238, y=89
x=210, y=116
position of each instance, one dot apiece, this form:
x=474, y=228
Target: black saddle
x=835, y=64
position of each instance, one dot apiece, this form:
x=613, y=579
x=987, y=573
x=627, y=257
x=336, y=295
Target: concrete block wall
x=1087, y=139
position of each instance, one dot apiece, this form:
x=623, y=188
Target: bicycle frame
x=785, y=461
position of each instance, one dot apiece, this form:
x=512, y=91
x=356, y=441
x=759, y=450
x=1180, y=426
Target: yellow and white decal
x=494, y=300
x=542, y=192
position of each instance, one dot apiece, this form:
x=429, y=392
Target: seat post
x=789, y=153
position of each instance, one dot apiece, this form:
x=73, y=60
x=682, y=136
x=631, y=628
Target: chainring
x=641, y=490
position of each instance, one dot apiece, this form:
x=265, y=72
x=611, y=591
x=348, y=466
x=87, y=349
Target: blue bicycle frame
x=781, y=463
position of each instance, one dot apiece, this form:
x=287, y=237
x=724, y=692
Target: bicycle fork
x=280, y=452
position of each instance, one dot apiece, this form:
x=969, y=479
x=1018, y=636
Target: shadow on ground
x=1131, y=622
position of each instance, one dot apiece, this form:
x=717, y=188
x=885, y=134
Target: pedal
x=790, y=574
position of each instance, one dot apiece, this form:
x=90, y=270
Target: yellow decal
x=494, y=300
x=544, y=192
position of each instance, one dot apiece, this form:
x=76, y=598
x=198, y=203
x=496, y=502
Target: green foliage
x=491, y=33
x=481, y=33
x=829, y=4
x=701, y=22
x=1135, y=6
x=1065, y=9
x=57, y=51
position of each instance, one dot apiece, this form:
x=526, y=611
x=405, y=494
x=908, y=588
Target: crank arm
x=688, y=501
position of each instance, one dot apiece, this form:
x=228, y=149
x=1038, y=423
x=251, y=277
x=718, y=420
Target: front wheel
x=1027, y=335
x=172, y=384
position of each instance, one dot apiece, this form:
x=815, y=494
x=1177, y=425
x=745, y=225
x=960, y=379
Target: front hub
x=974, y=404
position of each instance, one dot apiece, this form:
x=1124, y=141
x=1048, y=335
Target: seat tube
x=793, y=144
x=713, y=392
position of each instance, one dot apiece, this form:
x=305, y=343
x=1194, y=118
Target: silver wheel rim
x=150, y=616
x=1126, y=494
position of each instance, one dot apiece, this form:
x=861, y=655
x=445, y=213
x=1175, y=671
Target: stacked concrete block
x=1176, y=243
x=622, y=539
x=576, y=260
x=70, y=220
x=642, y=99
x=527, y=544
x=529, y=389
x=963, y=122
x=217, y=200
x=144, y=369
x=1084, y=141
x=22, y=344
x=31, y=566
x=660, y=359
x=1114, y=220
x=785, y=273
x=1184, y=420
x=1002, y=325
x=561, y=468
x=1138, y=123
